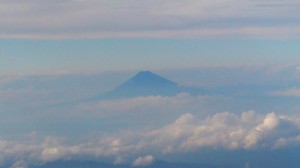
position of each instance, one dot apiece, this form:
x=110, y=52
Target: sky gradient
x=79, y=56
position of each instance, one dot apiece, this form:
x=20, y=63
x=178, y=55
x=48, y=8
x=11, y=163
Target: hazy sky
x=51, y=56
x=78, y=36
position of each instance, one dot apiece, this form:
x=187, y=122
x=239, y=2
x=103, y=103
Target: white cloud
x=143, y=161
x=225, y=130
x=187, y=133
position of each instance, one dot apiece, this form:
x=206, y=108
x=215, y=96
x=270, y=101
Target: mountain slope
x=146, y=83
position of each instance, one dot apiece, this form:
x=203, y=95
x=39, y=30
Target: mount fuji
x=146, y=83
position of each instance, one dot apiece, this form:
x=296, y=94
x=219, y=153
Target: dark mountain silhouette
x=146, y=83
x=147, y=78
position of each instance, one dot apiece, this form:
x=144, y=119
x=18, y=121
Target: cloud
x=190, y=124
x=54, y=148
x=290, y=92
x=223, y=130
x=19, y=164
x=148, y=103
x=119, y=160
x=143, y=161
x=186, y=134
x=147, y=111
x=157, y=18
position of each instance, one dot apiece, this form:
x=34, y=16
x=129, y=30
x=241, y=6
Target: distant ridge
x=144, y=83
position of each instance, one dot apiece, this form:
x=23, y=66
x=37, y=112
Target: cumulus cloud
x=143, y=161
x=54, y=148
x=187, y=133
x=223, y=130
x=168, y=18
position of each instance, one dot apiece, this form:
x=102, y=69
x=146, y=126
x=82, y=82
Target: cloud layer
x=185, y=135
x=157, y=18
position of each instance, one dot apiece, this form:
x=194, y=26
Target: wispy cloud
x=290, y=92
x=148, y=103
x=143, y=161
x=98, y=19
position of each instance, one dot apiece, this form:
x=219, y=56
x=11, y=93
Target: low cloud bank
x=225, y=130
x=186, y=134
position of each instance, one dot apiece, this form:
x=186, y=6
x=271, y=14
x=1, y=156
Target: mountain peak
x=144, y=83
x=149, y=78
x=145, y=73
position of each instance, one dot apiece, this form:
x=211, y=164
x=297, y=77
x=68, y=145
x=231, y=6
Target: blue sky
x=55, y=55
x=98, y=55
